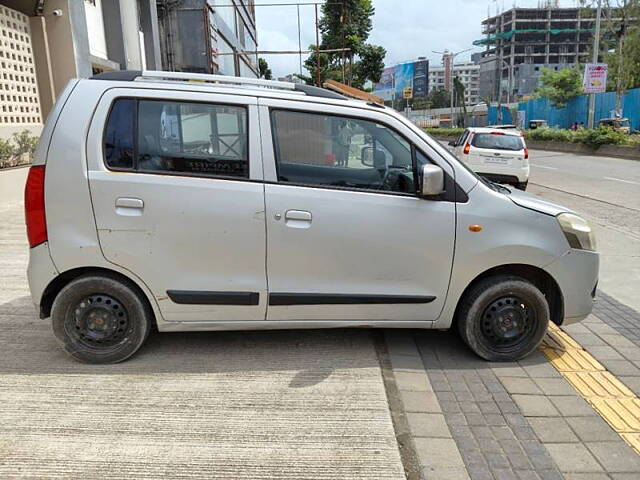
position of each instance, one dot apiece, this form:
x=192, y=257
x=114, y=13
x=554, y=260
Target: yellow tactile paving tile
x=559, y=340
x=616, y=403
x=572, y=360
x=632, y=439
x=622, y=415
x=598, y=384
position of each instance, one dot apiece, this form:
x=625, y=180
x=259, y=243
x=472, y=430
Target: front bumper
x=576, y=273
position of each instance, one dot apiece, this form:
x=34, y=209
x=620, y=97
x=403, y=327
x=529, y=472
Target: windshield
x=497, y=141
x=623, y=123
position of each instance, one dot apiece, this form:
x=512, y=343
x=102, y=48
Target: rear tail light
x=526, y=154
x=467, y=149
x=497, y=133
x=34, y=206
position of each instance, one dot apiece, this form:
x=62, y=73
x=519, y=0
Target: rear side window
x=118, y=138
x=497, y=141
x=178, y=137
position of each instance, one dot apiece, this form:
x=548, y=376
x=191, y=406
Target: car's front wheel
x=522, y=185
x=503, y=318
x=100, y=319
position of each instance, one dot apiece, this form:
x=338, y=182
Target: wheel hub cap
x=506, y=321
x=100, y=320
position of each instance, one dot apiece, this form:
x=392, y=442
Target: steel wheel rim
x=100, y=321
x=507, y=323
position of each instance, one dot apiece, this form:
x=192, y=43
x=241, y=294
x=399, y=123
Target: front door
x=347, y=236
x=178, y=200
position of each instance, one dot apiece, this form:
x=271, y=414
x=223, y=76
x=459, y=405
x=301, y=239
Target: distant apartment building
x=206, y=36
x=520, y=41
x=290, y=78
x=467, y=72
x=45, y=43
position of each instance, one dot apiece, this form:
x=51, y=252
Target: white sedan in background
x=497, y=154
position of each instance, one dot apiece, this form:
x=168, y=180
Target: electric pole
x=596, y=51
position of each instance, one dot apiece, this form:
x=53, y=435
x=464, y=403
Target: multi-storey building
x=467, y=72
x=520, y=41
x=45, y=43
x=207, y=36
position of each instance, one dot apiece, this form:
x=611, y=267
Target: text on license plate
x=499, y=160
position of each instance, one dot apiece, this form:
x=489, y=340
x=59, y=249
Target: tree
x=458, y=94
x=620, y=37
x=559, y=86
x=440, y=98
x=371, y=63
x=347, y=25
x=311, y=65
x=265, y=71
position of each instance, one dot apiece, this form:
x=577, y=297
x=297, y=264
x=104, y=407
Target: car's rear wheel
x=100, y=319
x=503, y=318
x=522, y=185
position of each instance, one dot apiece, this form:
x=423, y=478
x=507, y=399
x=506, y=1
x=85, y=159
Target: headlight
x=577, y=231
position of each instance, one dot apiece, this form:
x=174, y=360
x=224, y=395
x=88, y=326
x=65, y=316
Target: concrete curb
x=616, y=151
x=435, y=448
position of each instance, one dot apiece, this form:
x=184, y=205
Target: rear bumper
x=40, y=272
x=511, y=176
x=576, y=273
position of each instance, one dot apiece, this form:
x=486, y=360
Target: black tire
x=522, y=185
x=100, y=319
x=503, y=318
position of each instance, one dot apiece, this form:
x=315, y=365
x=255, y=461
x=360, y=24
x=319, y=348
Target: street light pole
x=451, y=56
x=596, y=51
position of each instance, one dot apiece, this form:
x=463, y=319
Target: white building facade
x=467, y=72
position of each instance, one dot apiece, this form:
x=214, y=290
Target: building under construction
x=521, y=40
x=204, y=36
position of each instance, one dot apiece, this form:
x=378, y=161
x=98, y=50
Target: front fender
x=510, y=235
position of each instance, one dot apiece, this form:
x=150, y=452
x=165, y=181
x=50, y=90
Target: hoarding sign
x=595, y=78
x=421, y=79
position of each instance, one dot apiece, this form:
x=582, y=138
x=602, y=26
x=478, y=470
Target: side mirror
x=432, y=180
x=366, y=156
x=453, y=143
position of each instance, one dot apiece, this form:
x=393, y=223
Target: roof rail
x=132, y=75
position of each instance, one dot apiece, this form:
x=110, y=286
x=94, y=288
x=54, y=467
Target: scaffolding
x=493, y=38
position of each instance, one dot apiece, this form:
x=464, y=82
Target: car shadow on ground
x=29, y=347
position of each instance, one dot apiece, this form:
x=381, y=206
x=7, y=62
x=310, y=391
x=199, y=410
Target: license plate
x=497, y=160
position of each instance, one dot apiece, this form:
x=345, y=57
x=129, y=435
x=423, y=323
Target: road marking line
x=543, y=166
x=621, y=180
x=611, y=398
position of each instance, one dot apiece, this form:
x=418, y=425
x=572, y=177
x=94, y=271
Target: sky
x=408, y=29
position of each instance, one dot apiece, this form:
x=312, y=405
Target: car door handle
x=297, y=219
x=129, y=207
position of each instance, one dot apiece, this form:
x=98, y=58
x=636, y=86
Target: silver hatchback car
x=197, y=202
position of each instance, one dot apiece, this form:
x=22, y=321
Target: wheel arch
x=57, y=284
x=536, y=275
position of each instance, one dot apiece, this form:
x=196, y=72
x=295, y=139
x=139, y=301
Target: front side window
x=335, y=151
x=178, y=137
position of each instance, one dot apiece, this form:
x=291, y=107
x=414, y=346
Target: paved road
x=607, y=192
x=612, y=180
x=263, y=405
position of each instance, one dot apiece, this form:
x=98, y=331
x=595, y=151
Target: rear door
x=347, y=236
x=176, y=188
